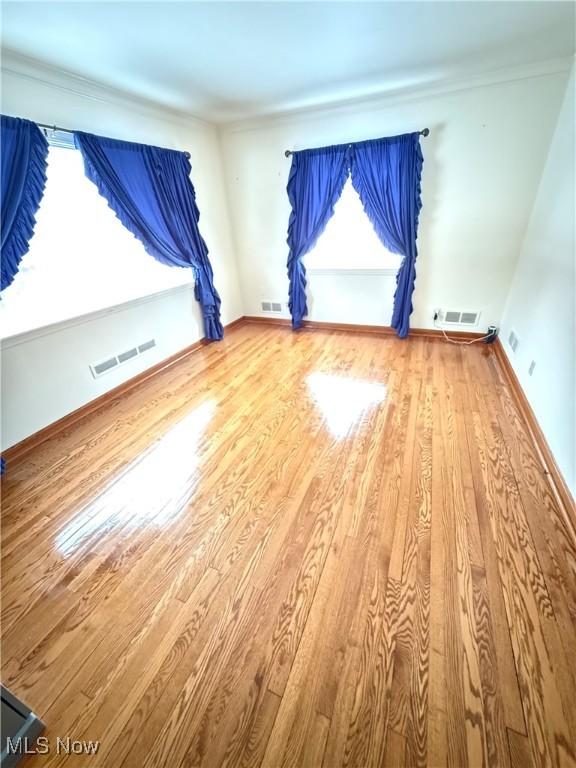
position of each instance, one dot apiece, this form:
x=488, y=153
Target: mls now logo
x=24, y=746
x=41, y=746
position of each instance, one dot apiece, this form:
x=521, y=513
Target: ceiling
x=224, y=61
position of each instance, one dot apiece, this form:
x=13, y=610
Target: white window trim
x=347, y=271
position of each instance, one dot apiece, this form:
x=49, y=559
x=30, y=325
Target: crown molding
x=404, y=95
x=28, y=68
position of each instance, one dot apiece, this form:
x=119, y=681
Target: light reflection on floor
x=151, y=491
x=343, y=399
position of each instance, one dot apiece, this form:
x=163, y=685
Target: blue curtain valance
x=23, y=178
x=150, y=191
x=386, y=174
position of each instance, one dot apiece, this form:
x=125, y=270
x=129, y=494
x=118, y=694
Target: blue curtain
x=150, y=191
x=386, y=174
x=316, y=180
x=23, y=178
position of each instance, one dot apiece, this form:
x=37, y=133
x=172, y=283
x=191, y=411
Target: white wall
x=44, y=378
x=46, y=374
x=363, y=297
x=540, y=307
x=482, y=164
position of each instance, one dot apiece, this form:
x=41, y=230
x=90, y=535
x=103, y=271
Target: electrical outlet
x=437, y=314
x=492, y=334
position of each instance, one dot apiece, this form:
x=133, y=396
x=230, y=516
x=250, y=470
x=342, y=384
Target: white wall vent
x=98, y=369
x=271, y=306
x=147, y=345
x=127, y=355
x=106, y=365
x=513, y=341
x=453, y=317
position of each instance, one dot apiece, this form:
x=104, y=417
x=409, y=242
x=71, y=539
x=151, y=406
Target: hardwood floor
x=314, y=549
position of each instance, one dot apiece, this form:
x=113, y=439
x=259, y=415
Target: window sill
x=358, y=271
x=23, y=337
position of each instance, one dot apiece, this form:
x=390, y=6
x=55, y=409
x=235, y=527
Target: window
x=349, y=241
x=81, y=258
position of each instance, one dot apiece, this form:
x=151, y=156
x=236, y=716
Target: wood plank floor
x=313, y=549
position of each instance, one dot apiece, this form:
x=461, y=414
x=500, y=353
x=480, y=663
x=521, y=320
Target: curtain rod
x=423, y=132
x=67, y=130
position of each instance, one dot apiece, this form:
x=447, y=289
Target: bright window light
x=349, y=240
x=152, y=491
x=81, y=257
x=343, y=400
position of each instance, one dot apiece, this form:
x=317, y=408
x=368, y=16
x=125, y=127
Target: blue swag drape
x=23, y=178
x=386, y=174
x=150, y=191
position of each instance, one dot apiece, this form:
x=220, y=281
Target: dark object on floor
x=19, y=728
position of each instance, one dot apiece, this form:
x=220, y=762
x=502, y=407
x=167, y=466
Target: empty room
x=288, y=379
